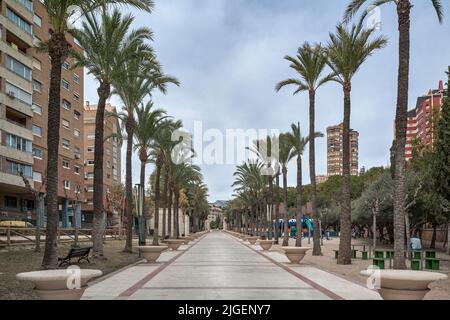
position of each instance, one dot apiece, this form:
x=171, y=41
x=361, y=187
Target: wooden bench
x=416, y=264
x=432, y=264
x=379, y=262
x=80, y=253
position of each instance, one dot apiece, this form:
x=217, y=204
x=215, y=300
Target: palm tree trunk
x=58, y=51
x=286, y=215
x=317, y=251
x=346, y=234
x=298, y=242
x=144, y=207
x=129, y=185
x=164, y=217
x=157, y=201
x=270, y=206
x=277, y=210
x=169, y=211
x=403, y=11
x=176, y=207
x=99, y=213
x=433, y=237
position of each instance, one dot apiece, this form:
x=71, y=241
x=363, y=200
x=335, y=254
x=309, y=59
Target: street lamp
x=139, y=197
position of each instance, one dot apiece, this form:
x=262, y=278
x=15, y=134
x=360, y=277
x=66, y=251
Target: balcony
x=16, y=54
x=22, y=8
x=16, y=104
x=9, y=25
x=15, y=79
x=9, y=179
x=17, y=155
x=16, y=129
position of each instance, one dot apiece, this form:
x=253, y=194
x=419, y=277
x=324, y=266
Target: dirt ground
x=439, y=290
x=25, y=259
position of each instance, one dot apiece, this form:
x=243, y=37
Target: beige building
x=335, y=151
x=215, y=213
x=111, y=166
x=24, y=85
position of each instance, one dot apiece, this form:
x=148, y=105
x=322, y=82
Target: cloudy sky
x=228, y=55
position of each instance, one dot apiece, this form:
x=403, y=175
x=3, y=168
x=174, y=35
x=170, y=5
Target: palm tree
x=404, y=23
x=286, y=154
x=139, y=77
x=197, y=193
x=162, y=147
x=108, y=43
x=59, y=15
x=310, y=64
x=299, y=143
x=347, y=51
x=148, y=123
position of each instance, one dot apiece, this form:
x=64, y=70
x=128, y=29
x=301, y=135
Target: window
x=108, y=152
x=16, y=168
x=76, y=115
x=76, y=133
x=90, y=149
x=66, y=144
x=77, y=153
x=66, y=184
x=90, y=162
x=37, y=131
x=18, y=21
x=108, y=164
x=37, y=64
x=66, y=105
x=65, y=124
x=76, y=169
x=18, y=143
x=10, y=202
x=36, y=40
x=37, y=176
x=66, y=65
x=28, y=4
x=17, y=93
x=108, y=176
x=65, y=84
x=76, y=78
x=37, y=86
x=37, y=153
x=89, y=188
x=66, y=164
x=18, y=68
x=36, y=108
x=37, y=20
x=91, y=136
x=89, y=175
x=76, y=97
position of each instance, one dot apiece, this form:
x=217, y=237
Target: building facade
x=111, y=166
x=420, y=119
x=215, y=214
x=24, y=90
x=335, y=151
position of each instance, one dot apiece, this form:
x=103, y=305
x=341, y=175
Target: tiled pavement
x=219, y=266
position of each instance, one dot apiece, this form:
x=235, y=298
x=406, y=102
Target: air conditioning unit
x=11, y=94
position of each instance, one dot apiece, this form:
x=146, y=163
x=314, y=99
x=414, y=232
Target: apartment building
x=16, y=115
x=25, y=82
x=111, y=166
x=420, y=119
x=335, y=151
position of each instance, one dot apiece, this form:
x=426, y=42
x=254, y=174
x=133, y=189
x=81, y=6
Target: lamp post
x=139, y=197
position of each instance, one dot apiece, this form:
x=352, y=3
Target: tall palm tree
x=139, y=77
x=108, y=42
x=347, y=51
x=162, y=147
x=404, y=24
x=309, y=64
x=197, y=193
x=148, y=123
x=59, y=14
x=286, y=154
x=299, y=144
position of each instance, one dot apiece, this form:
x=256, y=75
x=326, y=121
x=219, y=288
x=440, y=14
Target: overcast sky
x=228, y=55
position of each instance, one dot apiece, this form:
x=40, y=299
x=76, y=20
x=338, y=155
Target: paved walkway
x=219, y=266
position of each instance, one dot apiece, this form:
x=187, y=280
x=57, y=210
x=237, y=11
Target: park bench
x=379, y=254
x=416, y=264
x=379, y=262
x=80, y=253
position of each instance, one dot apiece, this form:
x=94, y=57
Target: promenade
x=219, y=266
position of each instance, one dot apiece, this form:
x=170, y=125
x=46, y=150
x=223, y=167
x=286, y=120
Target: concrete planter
x=174, y=244
x=295, y=254
x=252, y=240
x=67, y=284
x=152, y=253
x=266, y=244
x=403, y=284
x=185, y=240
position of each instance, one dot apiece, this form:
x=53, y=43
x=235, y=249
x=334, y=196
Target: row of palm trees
x=346, y=51
x=123, y=63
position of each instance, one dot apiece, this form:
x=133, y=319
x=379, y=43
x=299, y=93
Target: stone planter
x=185, y=240
x=266, y=244
x=68, y=284
x=403, y=284
x=174, y=244
x=295, y=254
x=252, y=240
x=152, y=253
